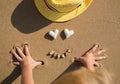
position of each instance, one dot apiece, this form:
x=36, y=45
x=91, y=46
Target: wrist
x=26, y=68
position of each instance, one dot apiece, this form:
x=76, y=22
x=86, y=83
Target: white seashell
x=68, y=33
x=54, y=33
x=58, y=56
x=62, y=56
x=51, y=52
x=69, y=50
x=65, y=53
x=55, y=54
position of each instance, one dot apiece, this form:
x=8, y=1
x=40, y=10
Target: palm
x=90, y=58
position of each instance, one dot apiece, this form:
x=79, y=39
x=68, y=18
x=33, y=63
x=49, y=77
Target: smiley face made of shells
x=54, y=34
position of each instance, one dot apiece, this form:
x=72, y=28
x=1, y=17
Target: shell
x=58, y=56
x=62, y=56
x=69, y=50
x=51, y=52
x=66, y=53
x=55, y=54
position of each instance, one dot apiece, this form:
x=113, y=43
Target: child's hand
x=24, y=58
x=90, y=58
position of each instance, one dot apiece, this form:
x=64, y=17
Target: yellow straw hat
x=61, y=10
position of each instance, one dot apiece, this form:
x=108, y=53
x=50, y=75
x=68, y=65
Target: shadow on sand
x=27, y=19
x=74, y=66
x=12, y=77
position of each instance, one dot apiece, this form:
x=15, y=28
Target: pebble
x=51, y=52
x=55, y=54
x=58, y=56
x=69, y=50
x=62, y=56
x=66, y=53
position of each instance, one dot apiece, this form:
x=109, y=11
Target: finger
x=27, y=50
x=16, y=63
x=94, y=48
x=40, y=62
x=16, y=55
x=101, y=58
x=101, y=51
x=20, y=52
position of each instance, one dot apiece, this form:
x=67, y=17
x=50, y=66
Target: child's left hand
x=90, y=58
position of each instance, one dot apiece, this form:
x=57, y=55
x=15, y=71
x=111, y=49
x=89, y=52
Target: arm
x=90, y=58
x=27, y=76
x=26, y=62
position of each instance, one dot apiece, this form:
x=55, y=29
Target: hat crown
x=64, y=5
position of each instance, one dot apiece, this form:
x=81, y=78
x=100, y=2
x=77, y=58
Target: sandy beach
x=21, y=22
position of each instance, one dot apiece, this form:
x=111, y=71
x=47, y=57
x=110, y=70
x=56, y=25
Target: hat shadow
x=27, y=19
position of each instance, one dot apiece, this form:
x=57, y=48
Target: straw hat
x=61, y=10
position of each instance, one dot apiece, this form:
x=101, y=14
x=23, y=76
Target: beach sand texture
x=21, y=22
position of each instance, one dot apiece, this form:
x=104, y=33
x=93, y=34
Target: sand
x=21, y=22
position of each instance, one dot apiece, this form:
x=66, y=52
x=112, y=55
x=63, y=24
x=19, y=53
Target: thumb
x=39, y=63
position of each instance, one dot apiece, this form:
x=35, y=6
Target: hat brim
x=57, y=16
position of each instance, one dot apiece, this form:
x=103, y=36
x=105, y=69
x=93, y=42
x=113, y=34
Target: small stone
x=62, y=56
x=55, y=54
x=51, y=52
x=58, y=56
x=66, y=54
x=69, y=50
x=54, y=33
x=68, y=33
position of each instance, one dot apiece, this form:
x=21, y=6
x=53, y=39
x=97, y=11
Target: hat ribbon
x=55, y=10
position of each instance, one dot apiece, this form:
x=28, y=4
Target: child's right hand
x=24, y=58
x=90, y=58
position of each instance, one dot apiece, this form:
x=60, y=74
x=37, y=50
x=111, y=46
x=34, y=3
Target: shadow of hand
x=13, y=76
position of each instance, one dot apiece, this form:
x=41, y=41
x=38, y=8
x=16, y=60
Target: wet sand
x=21, y=22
